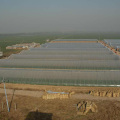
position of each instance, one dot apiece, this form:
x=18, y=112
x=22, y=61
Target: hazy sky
x=59, y=15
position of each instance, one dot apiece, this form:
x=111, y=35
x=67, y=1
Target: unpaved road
x=23, y=92
x=40, y=93
x=90, y=97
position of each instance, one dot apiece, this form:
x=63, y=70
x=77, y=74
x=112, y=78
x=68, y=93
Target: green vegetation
x=8, y=40
x=11, y=39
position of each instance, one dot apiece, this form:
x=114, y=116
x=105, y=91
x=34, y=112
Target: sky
x=19, y=16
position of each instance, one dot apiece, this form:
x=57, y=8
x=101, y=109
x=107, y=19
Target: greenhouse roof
x=63, y=64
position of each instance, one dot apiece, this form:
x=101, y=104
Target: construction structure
x=23, y=46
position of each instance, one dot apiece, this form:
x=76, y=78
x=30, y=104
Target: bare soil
x=73, y=41
x=76, y=89
x=30, y=105
x=109, y=47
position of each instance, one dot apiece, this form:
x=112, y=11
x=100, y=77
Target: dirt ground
x=25, y=103
x=109, y=47
x=76, y=89
x=73, y=41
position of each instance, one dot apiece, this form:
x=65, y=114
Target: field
x=84, y=63
x=31, y=107
x=59, y=67
x=11, y=39
x=8, y=40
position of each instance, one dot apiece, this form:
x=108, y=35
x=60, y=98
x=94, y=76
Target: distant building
x=23, y=46
x=47, y=40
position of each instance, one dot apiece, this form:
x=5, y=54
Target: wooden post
x=6, y=96
x=15, y=106
x=2, y=105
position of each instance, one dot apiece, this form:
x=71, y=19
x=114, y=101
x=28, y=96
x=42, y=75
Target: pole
x=15, y=106
x=2, y=105
x=6, y=96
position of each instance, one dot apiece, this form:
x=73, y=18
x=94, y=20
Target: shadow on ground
x=12, y=99
x=35, y=115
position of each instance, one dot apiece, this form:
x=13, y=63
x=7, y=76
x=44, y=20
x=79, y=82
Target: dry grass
x=57, y=88
x=73, y=41
x=32, y=108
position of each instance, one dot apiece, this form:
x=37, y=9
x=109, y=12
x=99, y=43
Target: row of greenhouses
x=71, y=63
x=72, y=45
x=115, y=43
x=63, y=57
x=76, y=40
x=62, y=64
x=66, y=52
x=61, y=77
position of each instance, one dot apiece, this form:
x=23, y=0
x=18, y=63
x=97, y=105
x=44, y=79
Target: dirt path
x=90, y=97
x=39, y=94
x=23, y=92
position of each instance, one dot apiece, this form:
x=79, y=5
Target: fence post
x=6, y=96
x=2, y=105
x=15, y=106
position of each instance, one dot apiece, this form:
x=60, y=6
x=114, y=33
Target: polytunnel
x=58, y=63
x=61, y=77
